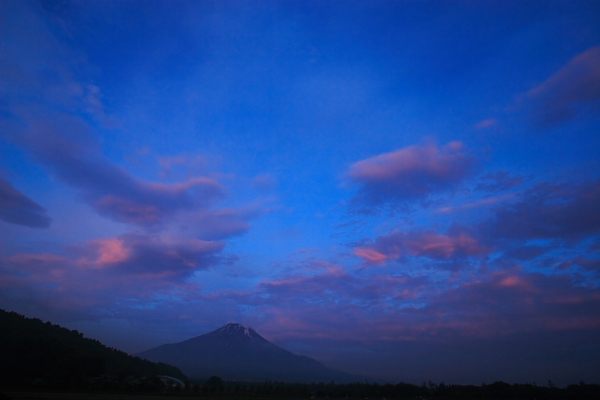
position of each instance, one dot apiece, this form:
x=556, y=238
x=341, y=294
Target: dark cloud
x=548, y=212
x=573, y=90
x=16, y=208
x=414, y=172
x=64, y=144
x=585, y=263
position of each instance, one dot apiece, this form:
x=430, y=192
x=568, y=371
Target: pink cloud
x=111, y=251
x=410, y=173
x=372, y=256
x=573, y=90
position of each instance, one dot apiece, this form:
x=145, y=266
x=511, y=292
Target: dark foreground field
x=92, y=396
x=112, y=396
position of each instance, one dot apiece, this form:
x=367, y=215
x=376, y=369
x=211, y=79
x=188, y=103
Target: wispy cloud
x=264, y=182
x=573, y=90
x=17, y=208
x=479, y=203
x=110, y=189
x=486, y=124
x=222, y=223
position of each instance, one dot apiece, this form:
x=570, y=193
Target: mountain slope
x=32, y=350
x=236, y=351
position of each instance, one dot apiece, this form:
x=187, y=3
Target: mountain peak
x=235, y=328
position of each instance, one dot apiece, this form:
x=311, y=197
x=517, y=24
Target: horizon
x=404, y=190
x=369, y=380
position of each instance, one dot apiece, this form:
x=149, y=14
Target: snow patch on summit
x=235, y=326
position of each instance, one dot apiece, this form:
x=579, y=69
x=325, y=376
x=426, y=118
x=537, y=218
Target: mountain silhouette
x=237, y=352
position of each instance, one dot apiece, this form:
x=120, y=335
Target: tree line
x=216, y=387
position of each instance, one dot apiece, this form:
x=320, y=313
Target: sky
x=406, y=190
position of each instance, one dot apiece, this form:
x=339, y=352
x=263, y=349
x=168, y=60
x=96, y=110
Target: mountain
x=237, y=352
x=53, y=356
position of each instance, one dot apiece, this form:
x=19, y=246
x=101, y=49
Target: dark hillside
x=36, y=353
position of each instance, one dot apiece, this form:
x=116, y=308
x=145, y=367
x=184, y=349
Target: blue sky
x=407, y=190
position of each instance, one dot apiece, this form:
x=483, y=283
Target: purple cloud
x=63, y=144
x=223, y=223
x=573, y=90
x=457, y=243
x=414, y=172
x=165, y=258
x=396, y=308
x=513, y=300
x=112, y=273
x=16, y=208
x=147, y=257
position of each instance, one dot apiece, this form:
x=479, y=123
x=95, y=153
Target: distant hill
x=236, y=351
x=34, y=352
